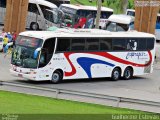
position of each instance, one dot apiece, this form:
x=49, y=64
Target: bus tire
x=57, y=77
x=128, y=73
x=116, y=74
x=34, y=26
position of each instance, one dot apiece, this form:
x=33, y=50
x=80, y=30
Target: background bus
x=131, y=12
x=79, y=14
x=85, y=53
x=117, y=23
x=59, y=2
x=40, y=14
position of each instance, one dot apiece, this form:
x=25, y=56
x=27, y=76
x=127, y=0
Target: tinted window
x=158, y=19
x=92, y=44
x=78, y=44
x=63, y=44
x=33, y=8
x=150, y=43
x=119, y=44
x=29, y=41
x=106, y=44
x=105, y=14
x=111, y=26
x=131, y=13
x=3, y=3
x=142, y=44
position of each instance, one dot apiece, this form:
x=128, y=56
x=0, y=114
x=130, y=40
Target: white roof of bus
x=43, y=2
x=83, y=7
x=124, y=19
x=82, y=33
x=131, y=10
x=134, y=11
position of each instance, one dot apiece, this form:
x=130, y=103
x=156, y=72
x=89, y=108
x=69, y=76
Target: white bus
x=87, y=53
x=59, y=2
x=131, y=12
x=40, y=14
x=116, y=23
x=80, y=13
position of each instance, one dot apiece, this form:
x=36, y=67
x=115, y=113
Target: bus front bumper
x=22, y=75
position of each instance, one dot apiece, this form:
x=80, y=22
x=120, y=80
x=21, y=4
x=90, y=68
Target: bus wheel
x=34, y=26
x=56, y=77
x=116, y=73
x=128, y=73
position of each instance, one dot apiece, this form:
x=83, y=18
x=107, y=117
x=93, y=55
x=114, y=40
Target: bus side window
x=119, y=44
x=63, y=45
x=131, y=26
x=150, y=43
x=106, y=44
x=142, y=44
x=92, y=44
x=78, y=44
x=3, y=3
x=158, y=19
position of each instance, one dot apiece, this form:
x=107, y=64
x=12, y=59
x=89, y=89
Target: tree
x=123, y=6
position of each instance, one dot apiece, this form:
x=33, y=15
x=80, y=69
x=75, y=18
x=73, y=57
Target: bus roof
x=83, y=7
x=82, y=33
x=134, y=11
x=131, y=10
x=124, y=19
x=43, y=2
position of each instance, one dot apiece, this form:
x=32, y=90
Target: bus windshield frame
x=25, y=53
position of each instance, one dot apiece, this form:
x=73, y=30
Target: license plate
x=20, y=75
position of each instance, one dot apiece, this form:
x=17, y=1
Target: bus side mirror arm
x=36, y=52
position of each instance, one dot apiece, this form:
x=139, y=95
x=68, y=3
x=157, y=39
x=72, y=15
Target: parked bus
x=59, y=2
x=40, y=14
x=87, y=53
x=131, y=12
x=79, y=14
x=116, y=23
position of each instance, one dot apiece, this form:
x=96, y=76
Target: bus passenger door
x=34, y=18
x=47, y=52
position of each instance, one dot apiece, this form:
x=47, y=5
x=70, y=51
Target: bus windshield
x=131, y=13
x=24, y=54
x=115, y=27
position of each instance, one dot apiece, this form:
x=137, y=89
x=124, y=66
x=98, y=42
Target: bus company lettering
x=139, y=55
x=58, y=59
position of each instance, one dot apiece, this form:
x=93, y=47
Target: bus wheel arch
x=57, y=76
x=34, y=26
x=116, y=73
x=128, y=73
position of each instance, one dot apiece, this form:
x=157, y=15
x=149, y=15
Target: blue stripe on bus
x=157, y=25
x=86, y=64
